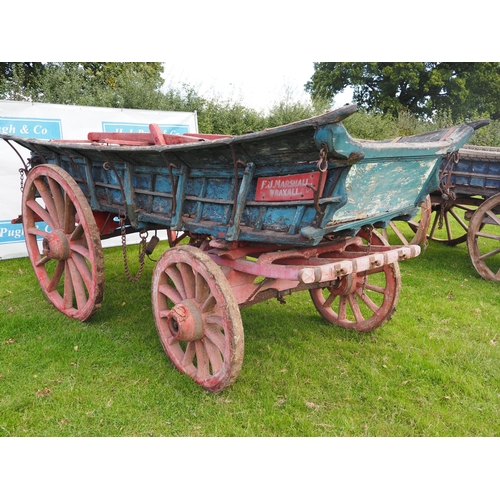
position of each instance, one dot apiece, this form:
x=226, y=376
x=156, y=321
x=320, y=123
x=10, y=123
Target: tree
x=465, y=90
x=130, y=84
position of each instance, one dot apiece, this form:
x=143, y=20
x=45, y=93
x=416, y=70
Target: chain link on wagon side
x=445, y=185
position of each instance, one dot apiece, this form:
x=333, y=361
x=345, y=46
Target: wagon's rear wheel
x=197, y=317
x=419, y=225
x=483, y=239
x=454, y=217
x=361, y=301
x=70, y=266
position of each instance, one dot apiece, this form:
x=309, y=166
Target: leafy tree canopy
x=130, y=84
x=464, y=90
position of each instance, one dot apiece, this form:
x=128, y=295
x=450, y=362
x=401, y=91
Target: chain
x=322, y=165
x=142, y=250
x=22, y=173
x=445, y=185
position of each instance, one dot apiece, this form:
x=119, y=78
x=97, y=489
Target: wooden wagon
x=260, y=216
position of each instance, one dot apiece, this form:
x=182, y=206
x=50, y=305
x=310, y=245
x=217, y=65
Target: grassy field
x=433, y=370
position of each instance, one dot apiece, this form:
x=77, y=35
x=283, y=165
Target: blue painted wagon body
x=265, y=214
x=209, y=187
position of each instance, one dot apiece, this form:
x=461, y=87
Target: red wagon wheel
x=361, y=301
x=197, y=317
x=483, y=239
x=419, y=225
x=70, y=266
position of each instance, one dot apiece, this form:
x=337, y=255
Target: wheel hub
x=345, y=286
x=185, y=321
x=56, y=245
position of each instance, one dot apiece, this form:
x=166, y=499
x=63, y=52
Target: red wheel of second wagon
x=197, y=317
x=70, y=266
x=361, y=301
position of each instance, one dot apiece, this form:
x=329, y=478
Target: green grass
x=433, y=370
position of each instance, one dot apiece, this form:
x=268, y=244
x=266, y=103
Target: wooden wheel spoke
x=329, y=301
x=58, y=198
x=170, y=293
x=34, y=231
x=41, y=261
x=78, y=284
x=216, y=337
x=81, y=250
x=355, y=307
x=363, y=296
x=56, y=276
x=69, y=215
x=481, y=234
x=189, y=353
x=209, y=305
x=68, y=287
x=449, y=232
x=487, y=255
x=342, y=307
x=214, y=355
x=399, y=234
x=494, y=217
x=83, y=269
x=48, y=200
x=434, y=225
x=77, y=233
x=214, y=319
x=457, y=218
x=188, y=275
x=375, y=288
x=201, y=288
x=175, y=275
x=41, y=212
x=202, y=363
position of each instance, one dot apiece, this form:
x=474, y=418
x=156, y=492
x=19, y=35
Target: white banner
x=55, y=121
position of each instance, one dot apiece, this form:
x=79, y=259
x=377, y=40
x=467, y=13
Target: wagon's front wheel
x=70, y=265
x=361, y=301
x=197, y=317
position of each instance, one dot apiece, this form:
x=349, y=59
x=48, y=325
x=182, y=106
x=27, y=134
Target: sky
x=257, y=83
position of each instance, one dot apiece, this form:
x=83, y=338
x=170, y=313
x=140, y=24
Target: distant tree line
x=393, y=98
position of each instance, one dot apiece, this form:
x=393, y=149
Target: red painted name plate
x=288, y=187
